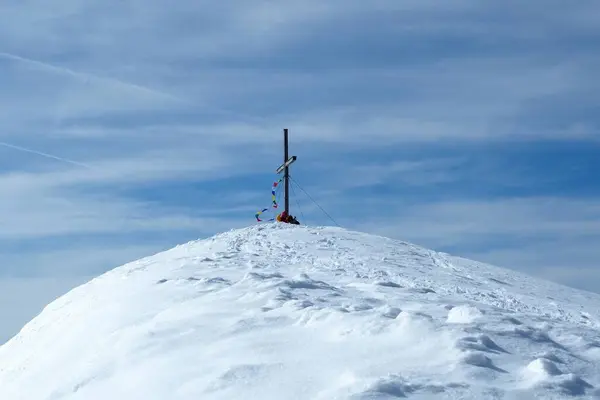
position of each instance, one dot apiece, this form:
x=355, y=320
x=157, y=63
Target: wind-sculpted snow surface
x=292, y=312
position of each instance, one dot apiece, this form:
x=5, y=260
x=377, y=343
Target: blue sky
x=467, y=127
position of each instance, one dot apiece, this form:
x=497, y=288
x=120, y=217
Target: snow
x=463, y=314
x=275, y=311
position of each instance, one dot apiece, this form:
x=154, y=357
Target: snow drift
x=286, y=312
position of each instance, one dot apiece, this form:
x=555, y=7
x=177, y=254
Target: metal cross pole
x=287, y=161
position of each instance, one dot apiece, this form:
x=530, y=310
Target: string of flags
x=273, y=200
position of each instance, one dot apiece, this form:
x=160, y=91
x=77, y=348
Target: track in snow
x=277, y=311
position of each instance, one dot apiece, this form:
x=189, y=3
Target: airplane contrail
x=39, y=153
x=87, y=76
x=123, y=85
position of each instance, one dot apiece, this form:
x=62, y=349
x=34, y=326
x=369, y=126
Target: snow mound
x=543, y=368
x=291, y=312
x=546, y=374
x=463, y=314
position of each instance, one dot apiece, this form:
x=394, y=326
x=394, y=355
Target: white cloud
x=103, y=60
x=50, y=209
x=456, y=222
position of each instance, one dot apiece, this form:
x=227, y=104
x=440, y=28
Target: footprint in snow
x=388, y=284
x=499, y=281
x=512, y=320
x=421, y=290
x=552, y=357
x=257, y=276
x=593, y=344
x=391, y=312
x=535, y=335
x=305, y=282
x=302, y=304
x=244, y=375
x=480, y=343
x=395, y=386
x=216, y=280
x=360, y=307
x=481, y=360
x=226, y=256
x=573, y=385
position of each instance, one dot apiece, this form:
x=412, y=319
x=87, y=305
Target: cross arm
x=289, y=162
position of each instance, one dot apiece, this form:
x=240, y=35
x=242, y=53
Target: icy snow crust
x=286, y=312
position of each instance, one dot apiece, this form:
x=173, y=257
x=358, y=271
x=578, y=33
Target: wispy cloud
x=39, y=153
x=89, y=77
x=459, y=223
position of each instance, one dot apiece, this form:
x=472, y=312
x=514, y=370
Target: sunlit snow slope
x=287, y=312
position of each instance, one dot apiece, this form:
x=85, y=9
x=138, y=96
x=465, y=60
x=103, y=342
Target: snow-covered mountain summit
x=291, y=312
